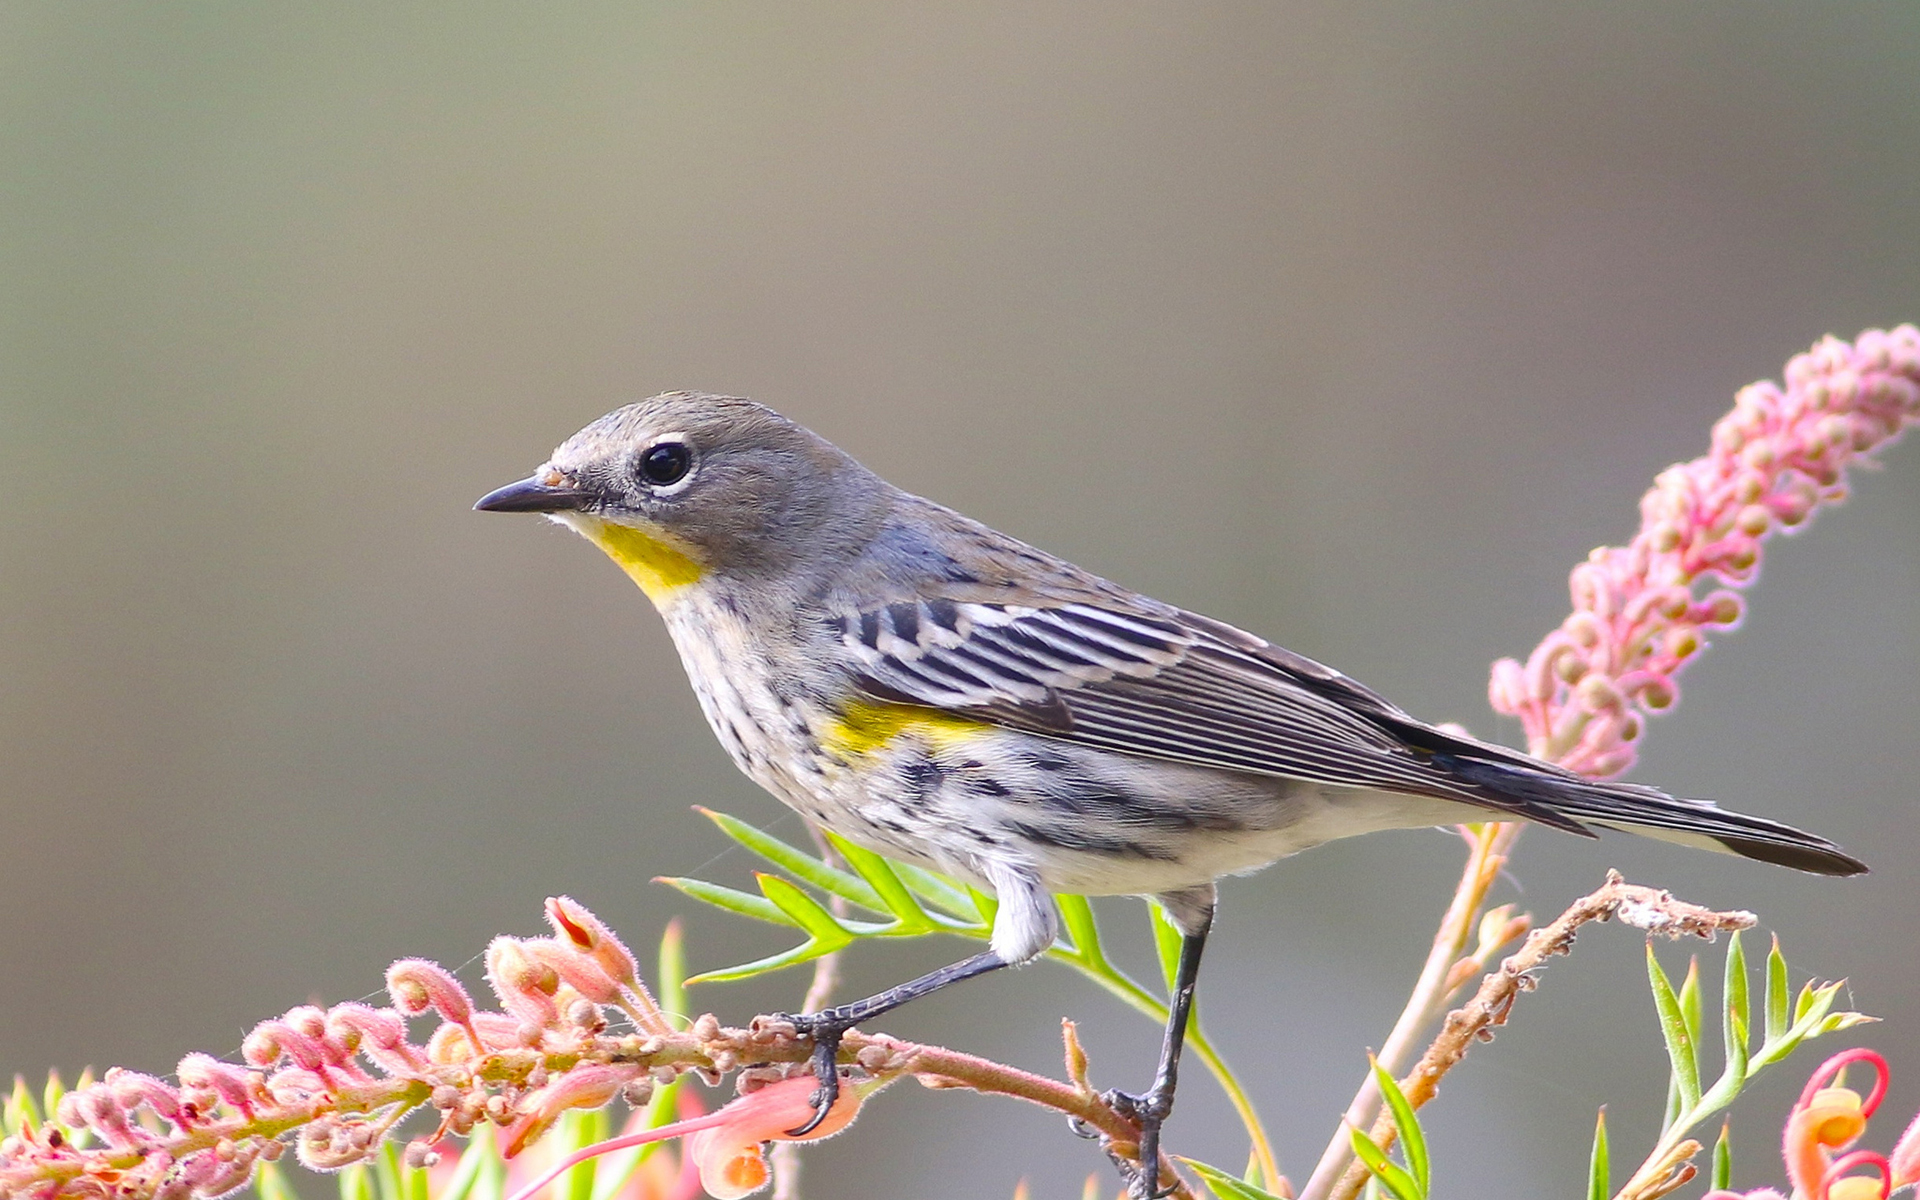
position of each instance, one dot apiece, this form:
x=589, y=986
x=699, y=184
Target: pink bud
x=417, y=984
x=525, y=987
x=576, y=924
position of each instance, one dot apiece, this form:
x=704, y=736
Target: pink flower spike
x=1636, y=623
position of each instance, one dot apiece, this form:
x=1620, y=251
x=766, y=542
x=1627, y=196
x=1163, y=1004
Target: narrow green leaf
x=1734, y=1010
x=386, y=1172
x=808, y=913
x=1166, y=943
x=51, y=1096
x=1227, y=1186
x=1673, y=1028
x=811, y=949
x=1690, y=1008
x=418, y=1184
x=893, y=894
x=1776, y=991
x=19, y=1108
x=985, y=904
x=473, y=1160
x=588, y=1127
x=936, y=889
x=1077, y=915
x=1737, y=1072
x=270, y=1183
x=808, y=868
x=1722, y=1160
x=356, y=1183
x=1413, y=1139
x=1391, y=1174
x=1599, y=1168
x=672, y=978
x=744, y=903
x=1835, y=1022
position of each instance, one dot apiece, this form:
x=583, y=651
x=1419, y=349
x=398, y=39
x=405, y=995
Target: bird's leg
x=1152, y=1108
x=829, y=1025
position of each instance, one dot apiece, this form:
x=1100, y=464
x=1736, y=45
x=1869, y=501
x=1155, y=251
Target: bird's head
x=684, y=485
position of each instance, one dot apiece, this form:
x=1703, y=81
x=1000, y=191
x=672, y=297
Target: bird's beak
x=546, y=492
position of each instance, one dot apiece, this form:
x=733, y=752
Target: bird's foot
x=826, y=1029
x=1148, y=1110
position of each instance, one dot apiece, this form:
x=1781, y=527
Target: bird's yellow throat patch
x=660, y=568
x=865, y=726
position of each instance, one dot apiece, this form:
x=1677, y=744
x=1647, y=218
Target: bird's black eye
x=665, y=463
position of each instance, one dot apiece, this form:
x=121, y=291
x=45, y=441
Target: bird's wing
x=1162, y=684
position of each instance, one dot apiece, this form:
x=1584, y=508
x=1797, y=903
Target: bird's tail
x=1650, y=812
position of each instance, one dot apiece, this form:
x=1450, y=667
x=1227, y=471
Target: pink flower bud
x=131, y=1089
x=417, y=984
x=572, y=921
x=578, y=970
x=236, y=1087
x=525, y=987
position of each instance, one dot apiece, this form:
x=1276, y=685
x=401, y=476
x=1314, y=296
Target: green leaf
x=1776, y=992
x=985, y=905
x=1722, y=1161
x=19, y=1110
x=1673, y=1028
x=587, y=1128
x=466, y=1173
x=1076, y=914
x=1413, y=1139
x=944, y=894
x=51, y=1096
x=794, y=861
x=1227, y=1186
x=270, y=1183
x=1598, y=1168
x=386, y=1172
x=808, y=913
x=744, y=903
x=1391, y=1174
x=893, y=893
x=1166, y=943
x=1737, y=1071
x=1735, y=1010
x=356, y=1183
x=673, y=974
x=1690, y=1009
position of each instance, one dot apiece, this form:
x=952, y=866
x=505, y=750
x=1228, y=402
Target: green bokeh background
x=1356, y=325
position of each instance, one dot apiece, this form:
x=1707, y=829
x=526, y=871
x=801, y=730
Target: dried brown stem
x=1645, y=908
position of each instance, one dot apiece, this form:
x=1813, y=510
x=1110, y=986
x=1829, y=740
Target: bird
x=944, y=694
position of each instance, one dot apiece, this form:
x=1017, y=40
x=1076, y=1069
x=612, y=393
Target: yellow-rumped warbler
x=942, y=693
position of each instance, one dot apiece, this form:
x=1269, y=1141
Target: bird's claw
x=826, y=1034
x=1147, y=1110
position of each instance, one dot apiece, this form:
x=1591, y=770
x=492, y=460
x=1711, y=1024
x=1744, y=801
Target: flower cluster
x=1637, y=619
x=1825, y=1123
x=337, y=1081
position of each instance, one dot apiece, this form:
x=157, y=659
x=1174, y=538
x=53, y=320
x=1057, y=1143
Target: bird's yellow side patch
x=660, y=568
x=865, y=726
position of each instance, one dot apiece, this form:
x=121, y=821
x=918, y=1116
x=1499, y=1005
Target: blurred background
x=1354, y=324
